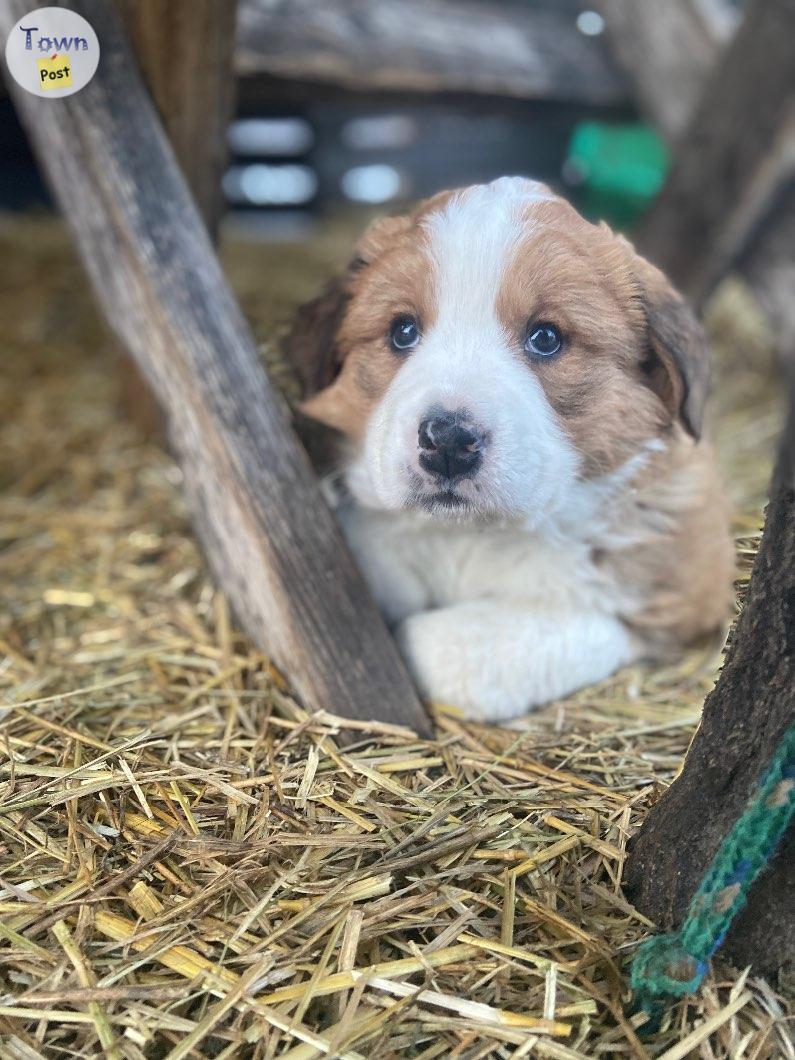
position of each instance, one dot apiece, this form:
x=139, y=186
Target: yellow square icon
x=55, y=72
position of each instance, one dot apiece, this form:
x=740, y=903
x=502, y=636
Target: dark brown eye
x=404, y=333
x=542, y=340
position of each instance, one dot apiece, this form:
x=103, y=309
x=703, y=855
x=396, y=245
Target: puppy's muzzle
x=450, y=447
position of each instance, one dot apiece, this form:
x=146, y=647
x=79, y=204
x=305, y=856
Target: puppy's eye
x=542, y=340
x=404, y=333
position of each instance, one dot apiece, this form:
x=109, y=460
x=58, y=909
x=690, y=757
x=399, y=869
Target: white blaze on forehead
x=466, y=362
x=471, y=241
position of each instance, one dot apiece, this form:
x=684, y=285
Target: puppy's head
x=490, y=351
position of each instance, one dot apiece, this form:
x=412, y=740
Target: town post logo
x=55, y=72
x=52, y=52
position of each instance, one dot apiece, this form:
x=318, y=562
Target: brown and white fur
x=593, y=532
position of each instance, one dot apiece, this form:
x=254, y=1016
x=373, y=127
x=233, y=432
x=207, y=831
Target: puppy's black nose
x=448, y=448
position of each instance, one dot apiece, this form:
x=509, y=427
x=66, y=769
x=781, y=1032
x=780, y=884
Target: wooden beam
x=421, y=46
x=268, y=536
x=739, y=145
x=184, y=49
x=667, y=49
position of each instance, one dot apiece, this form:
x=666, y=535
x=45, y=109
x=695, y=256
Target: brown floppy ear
x=678, y=365
x=312, y=343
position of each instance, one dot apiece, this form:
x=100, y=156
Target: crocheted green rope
x=670, y=966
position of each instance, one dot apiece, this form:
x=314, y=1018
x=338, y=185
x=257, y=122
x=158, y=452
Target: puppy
x=525, y=483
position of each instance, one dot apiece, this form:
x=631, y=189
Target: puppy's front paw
x=495, y=661
x=449, y=654
x=428, y=646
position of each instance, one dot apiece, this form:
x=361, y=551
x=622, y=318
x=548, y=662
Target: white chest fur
x=413, y=563
x=495, y=620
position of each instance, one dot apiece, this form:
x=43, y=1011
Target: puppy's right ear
x=312, y=344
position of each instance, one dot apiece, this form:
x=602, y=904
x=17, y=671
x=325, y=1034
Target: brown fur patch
x=681, y=562
x=634, y=359
x=393, y=280
x=578, y=277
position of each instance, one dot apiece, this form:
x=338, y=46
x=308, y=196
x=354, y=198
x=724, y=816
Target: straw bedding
x=190, y=866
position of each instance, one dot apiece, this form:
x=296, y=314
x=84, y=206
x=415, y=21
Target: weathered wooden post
x=736, y=150
x=172, y=40
x=269, y=538
x=730, y=201
x=185, y=49
x=744, y=720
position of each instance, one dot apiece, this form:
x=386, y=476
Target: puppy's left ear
x=678, y=365
x=311, y=344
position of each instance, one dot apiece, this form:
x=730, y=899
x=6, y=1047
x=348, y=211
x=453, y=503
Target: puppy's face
x=494, y=349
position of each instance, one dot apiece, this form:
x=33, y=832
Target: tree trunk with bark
x=753, y=702
x=730, y=202
x=744, y=718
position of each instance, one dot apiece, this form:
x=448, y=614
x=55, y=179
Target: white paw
x=448, y=653
x=495, y=662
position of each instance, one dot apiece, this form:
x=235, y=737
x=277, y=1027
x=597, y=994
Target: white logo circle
x=52, y=52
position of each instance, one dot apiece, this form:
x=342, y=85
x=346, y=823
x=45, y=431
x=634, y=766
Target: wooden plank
x=271, y=541
x=420, y=46
x=738, y=146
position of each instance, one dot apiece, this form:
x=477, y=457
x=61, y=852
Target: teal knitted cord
x=670, y=966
